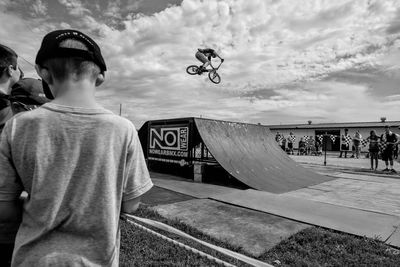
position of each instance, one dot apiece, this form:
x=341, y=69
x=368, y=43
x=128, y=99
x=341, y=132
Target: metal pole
x=120, y=109
x=325, y=135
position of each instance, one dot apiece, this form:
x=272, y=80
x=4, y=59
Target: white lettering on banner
x=169, y=138
x=184, y=138
x=172, y=153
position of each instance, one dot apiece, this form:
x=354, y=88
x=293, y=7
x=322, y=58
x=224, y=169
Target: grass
x=311, y=247
x=316, y=246
x=139, y=248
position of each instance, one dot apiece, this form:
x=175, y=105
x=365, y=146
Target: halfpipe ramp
x=250, y=154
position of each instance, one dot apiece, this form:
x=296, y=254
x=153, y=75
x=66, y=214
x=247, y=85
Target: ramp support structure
x=198, y=171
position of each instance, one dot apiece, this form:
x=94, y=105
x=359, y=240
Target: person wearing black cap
x=27, y=94
x=80, y=164
x=390, y=140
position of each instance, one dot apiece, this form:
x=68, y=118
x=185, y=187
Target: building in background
x=334, y=131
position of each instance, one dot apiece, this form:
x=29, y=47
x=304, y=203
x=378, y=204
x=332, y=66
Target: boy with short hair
x=9, y=75
x=80, y=164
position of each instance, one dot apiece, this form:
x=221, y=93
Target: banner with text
x=169, y=142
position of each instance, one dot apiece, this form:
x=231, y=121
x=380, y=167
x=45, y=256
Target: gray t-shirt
x=77, y=166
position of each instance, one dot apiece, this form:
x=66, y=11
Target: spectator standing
x=80, y=164
x=26, y=94
x=302, y=147
x=396, y=147
x=318, y=146
x=357, y=144
x=310, y=145
x=283, y=143
x=390, y=139
x=278, y=138
x=10, y=73
x=291, y=139
x=373, y=140
x=345, y=143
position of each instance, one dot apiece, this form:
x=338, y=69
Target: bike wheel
x=214, y=77
x=192, y=69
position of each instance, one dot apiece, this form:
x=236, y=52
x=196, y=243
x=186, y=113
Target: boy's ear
x=44, y=74
x=10, y=70
x=100, y=79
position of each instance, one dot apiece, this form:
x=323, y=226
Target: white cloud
x=39, y=8
x=133, y=5
x=284, y=50
x=75, y=7
x=260, y=41
x=320, y=102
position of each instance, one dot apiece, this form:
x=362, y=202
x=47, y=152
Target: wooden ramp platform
x=250, y=153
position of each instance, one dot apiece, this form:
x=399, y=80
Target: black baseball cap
x=28, y=91
x=50, y=48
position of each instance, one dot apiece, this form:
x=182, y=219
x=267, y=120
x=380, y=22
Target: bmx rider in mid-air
x=205, y=55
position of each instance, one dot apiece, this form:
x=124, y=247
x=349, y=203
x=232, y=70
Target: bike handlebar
x=222, y=60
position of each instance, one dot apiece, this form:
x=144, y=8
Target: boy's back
x=74, y=199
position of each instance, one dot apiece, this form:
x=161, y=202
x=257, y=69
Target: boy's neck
x=5, y=86
x=3, y=89
x=76, y=94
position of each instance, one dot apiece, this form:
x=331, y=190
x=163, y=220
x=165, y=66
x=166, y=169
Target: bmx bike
x=212, y=73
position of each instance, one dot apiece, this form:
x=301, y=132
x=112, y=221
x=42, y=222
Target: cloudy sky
x=285, y=61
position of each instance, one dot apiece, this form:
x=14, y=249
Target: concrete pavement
x=356, y=202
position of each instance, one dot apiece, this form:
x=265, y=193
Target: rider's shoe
x=201, y=69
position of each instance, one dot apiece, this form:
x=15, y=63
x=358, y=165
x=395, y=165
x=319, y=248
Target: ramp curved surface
x=250, y=154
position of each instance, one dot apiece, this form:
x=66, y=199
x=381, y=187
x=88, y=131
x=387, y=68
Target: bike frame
x=214, y=67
